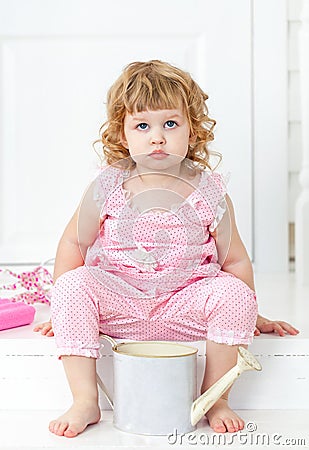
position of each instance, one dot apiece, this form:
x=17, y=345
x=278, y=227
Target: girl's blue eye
x=170, y=124
x=142, y=126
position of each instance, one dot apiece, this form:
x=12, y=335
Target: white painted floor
x=276, y=429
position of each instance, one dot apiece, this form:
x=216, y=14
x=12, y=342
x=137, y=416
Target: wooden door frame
x=270, y=135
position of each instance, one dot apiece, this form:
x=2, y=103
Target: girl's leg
x=220, y=358
x=81, y=375
x=75, y=318
x=231, y=313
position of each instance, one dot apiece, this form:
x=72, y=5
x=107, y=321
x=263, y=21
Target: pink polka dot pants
x=223, y=309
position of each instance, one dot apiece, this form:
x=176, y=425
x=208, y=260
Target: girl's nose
x=157, y=138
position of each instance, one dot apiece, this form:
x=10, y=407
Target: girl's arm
x=234, y=259
x=232, y=254
x=79, y=234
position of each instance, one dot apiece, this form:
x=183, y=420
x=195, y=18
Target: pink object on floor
x=15, y=314
x=36, y=284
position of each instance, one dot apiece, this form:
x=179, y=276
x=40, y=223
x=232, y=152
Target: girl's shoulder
x=214, y=181
x=110, y=170
x=212, y=197
x=108, y=174
x=107, y=179
x=205, y=175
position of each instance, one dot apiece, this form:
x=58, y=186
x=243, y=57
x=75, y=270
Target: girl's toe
x=61, y=430
x=218, y=426
x=236, y=425
x=70, y=432
x=241, y=424
x=57, y=429
x=52, y=426
x=230, y=426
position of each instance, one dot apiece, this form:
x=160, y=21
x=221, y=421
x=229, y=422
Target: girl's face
x=157, y=139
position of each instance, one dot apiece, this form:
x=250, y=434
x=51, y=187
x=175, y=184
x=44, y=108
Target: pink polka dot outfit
x=152, y=275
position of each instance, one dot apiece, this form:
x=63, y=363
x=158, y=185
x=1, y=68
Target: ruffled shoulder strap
x=211, y=193
x=104, y=185
x=220, y=182
x=213, y=187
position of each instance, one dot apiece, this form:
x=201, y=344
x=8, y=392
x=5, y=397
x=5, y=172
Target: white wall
x=294, y=116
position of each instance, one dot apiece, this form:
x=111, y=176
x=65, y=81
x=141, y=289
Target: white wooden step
x=273, y=402
x=31, y=371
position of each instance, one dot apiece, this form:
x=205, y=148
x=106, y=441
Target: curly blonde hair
x=156, y=85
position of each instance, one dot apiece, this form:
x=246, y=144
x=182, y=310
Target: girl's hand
x=45, y=328
x=264, y=325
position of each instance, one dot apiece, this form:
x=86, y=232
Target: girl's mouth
x=158, y=154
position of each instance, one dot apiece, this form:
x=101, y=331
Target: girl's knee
x=72, y=297
x=244, y=298
x=231, y=315
x=70, y=288
x=76, y=277
x=233, y=296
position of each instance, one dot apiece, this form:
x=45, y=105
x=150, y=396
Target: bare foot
x=221, y=418
x=76, y=419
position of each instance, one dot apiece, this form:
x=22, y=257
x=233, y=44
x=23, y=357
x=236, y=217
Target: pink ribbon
x=36, y=283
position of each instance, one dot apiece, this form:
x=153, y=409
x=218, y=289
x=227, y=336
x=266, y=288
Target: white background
x=58, y=58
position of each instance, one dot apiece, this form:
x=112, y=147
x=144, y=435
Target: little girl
x=153, y=252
